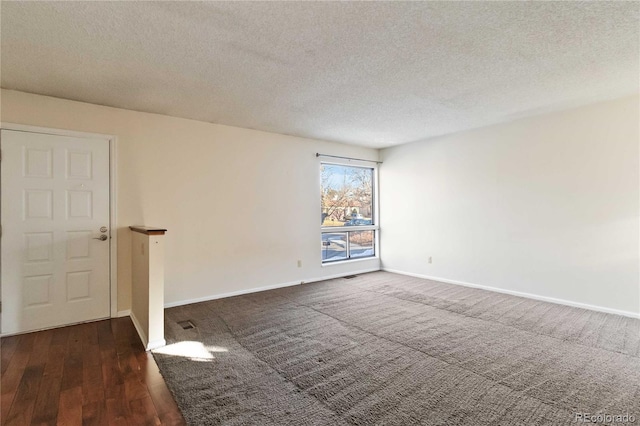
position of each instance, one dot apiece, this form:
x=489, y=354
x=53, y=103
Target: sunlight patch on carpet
x=195, y=351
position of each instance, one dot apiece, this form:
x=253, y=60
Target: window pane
x=334, y=246
x=361, y=243
x=347, y=195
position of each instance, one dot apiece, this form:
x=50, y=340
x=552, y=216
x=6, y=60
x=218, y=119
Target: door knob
x=103, y=229
x=101, y=238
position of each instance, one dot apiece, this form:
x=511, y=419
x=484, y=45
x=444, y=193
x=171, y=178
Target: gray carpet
x=394, y=350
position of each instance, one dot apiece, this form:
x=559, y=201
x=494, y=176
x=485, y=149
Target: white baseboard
x=156, y=344
x=140, y=330
x=521, y=294
x=125, y=313
x=264, y=288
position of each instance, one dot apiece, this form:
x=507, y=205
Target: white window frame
x=375, y=206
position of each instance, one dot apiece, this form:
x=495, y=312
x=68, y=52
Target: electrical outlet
x=299, y=263
x=430, y=259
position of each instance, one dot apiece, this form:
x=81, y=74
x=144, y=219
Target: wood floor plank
x=45, y=411
x=88, y=374
x=105, y=333
x=21, y=415
x=7, y=349
x=134, y=387
x=92, y=382
x=13, y=375
x=111, y=373
x=25, y=398
x=144, y=412
x=166, y=407
x=72, y=370
x=57, y=352
x=48, y=403
x=60, y=336
x=56, y=361
x=118, y=410
x=70, y=407
x=19, y=360
x=94, y=413
x=41, y=344
x=6, y=400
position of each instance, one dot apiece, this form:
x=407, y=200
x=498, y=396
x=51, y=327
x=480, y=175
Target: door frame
x=113, y=230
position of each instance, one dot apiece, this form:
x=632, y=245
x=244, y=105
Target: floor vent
x=186, y=325
x=348, y=277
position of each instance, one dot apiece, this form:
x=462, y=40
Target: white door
x=55, y=237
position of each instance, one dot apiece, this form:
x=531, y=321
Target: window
x=348, y=215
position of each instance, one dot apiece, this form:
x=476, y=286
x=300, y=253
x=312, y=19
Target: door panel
x=55, y=199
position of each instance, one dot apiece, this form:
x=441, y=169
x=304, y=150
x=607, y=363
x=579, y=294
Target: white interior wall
x=140, y=284
x=241, y=206
x=547, y=206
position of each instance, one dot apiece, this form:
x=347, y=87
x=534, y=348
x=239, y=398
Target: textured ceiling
x=367, y=73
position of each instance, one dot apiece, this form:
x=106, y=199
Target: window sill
x=346, y=261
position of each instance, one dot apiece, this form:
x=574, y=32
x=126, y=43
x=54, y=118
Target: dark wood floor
x=92, y=374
